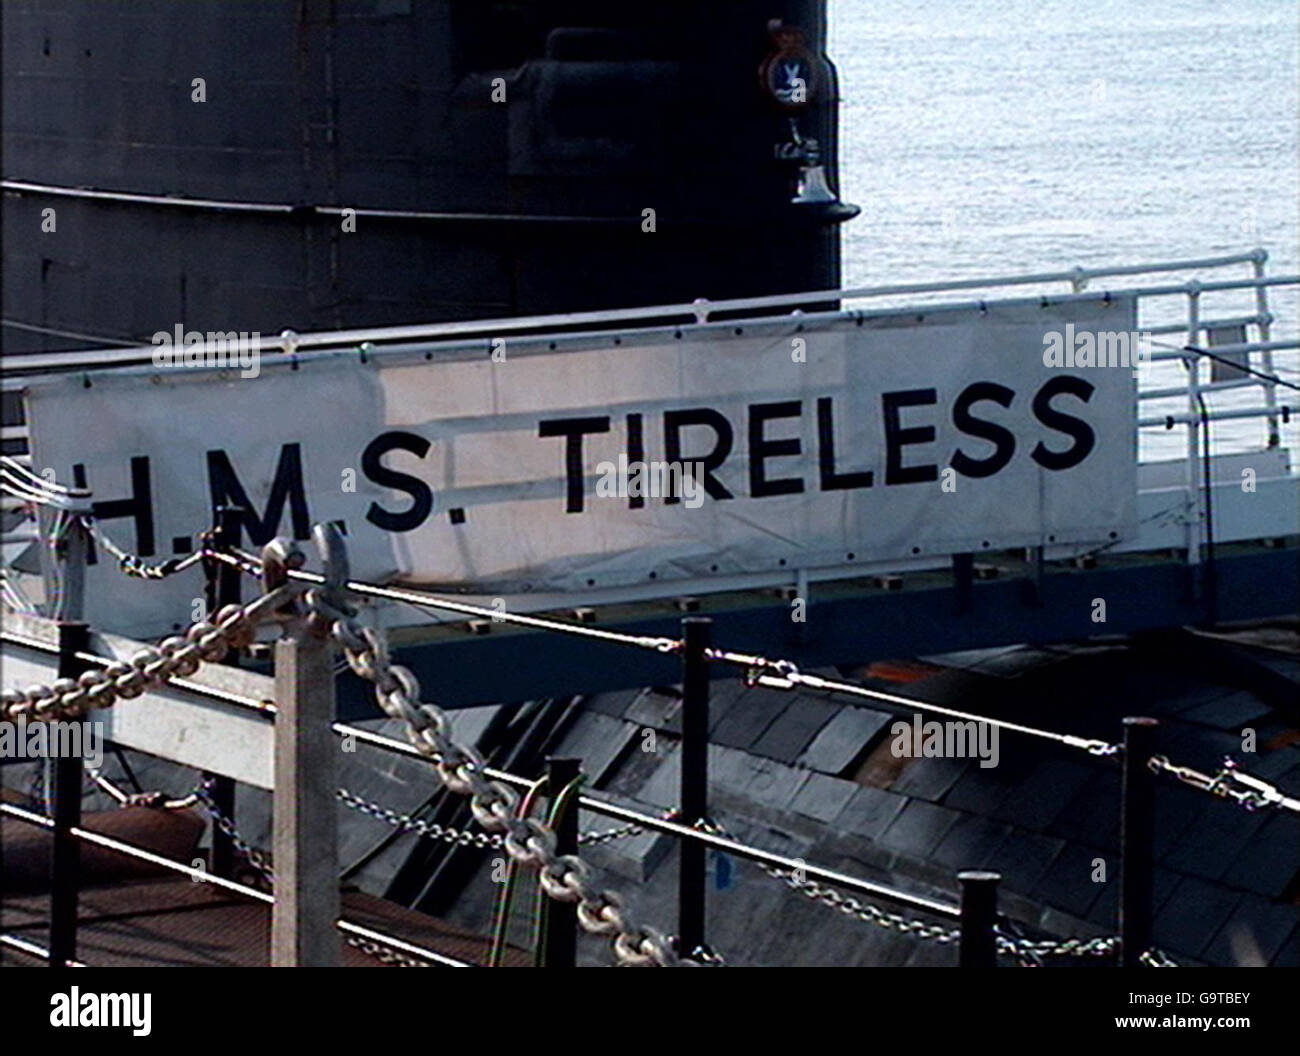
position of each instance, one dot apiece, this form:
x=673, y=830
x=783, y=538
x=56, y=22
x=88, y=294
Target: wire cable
x=253, y=566
x=1272, y=379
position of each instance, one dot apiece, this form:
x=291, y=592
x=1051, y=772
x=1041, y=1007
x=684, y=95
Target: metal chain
x=255, y=857
x=595, y=837
x=1256, y=794
x=205, y=641
x=565, y=878
x=847, y=904
x=1025, y=949
x=1154, y=958
x=133, y=564
x=430, y=829
x=863, y=911
x=1103, y=946
x=386, y=954
x=448, y=834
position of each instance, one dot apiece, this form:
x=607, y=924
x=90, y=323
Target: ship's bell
x=813, y=188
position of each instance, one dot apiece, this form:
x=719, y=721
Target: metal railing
x=1258, y=356
x=982, y=933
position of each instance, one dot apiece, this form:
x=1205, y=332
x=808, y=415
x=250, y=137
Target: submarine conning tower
x=502, y=158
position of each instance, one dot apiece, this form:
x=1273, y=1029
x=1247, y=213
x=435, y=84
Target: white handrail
x=700, y=310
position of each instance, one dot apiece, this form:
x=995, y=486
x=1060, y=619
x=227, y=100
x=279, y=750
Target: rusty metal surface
x=126, y=919
x=181, y=923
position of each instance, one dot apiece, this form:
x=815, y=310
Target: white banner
x=540, y=464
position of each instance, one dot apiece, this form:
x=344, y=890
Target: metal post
x=1031, y=592
x=1137, y=833
x=68, y=602
x=224, y=589
x=305, y=823
x=692, y=874
x=225, y=538
x=560, y=949
x=979, y=917
x=65, y=855
x=1193, y=470
x=963, y=582
x=1266, y=356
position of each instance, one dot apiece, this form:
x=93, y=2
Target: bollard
x=65, y=854
x=692, y=875
x=305, y=812
x=979, y=917
x=1137, y=834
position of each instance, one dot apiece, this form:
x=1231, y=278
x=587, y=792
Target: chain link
x=565, y=878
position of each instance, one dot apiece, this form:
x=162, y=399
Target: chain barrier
x=760, y=670
x=864, y=911
x=430, y=829
x=565, y=878
x=596, y=837
x=1027, y=949
x=204, y=642
x=1254, y=793
x=448, y=834
x=847, y=904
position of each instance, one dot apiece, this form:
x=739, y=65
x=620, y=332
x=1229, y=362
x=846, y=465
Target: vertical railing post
x=963, y=582
x=1137, y=834
x=1193, y=464
x=68, y=601
x=223, y=589
x=1265, y=325
x=65, y=854
x=304, y=918
x=692, y=876
x=560, y=947
x=979, y=917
